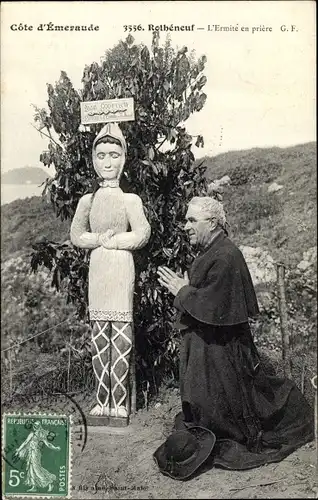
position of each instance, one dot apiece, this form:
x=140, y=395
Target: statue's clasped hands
x=105, y=239
x=170, y=280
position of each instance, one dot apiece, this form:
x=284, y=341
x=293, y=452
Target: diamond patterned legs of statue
x=112, y=345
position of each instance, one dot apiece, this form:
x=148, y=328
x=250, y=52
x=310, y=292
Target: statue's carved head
x=109, y=152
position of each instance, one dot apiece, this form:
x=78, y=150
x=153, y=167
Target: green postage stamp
x=36, y=453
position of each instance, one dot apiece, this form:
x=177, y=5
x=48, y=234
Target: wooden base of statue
x=97, y=421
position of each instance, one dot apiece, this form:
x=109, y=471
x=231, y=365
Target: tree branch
x=158, y=147
x=49, y=136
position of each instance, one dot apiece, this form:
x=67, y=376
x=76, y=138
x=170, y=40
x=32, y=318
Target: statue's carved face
x=108, y=160
x=199, y=226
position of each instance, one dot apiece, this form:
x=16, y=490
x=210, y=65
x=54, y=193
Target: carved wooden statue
x=112, y=224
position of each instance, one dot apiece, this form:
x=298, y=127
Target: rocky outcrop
x=263, y=273
x=216, y=187
x=272, y=188
x=308, y=260
x=260, y=263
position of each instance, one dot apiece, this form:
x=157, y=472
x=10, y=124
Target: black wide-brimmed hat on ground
x=184, y=452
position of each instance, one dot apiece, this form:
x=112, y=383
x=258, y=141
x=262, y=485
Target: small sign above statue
x=109, y=110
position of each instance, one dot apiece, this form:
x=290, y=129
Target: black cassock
x=257, y=418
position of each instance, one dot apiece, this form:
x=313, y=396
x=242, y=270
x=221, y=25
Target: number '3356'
x=133, y=27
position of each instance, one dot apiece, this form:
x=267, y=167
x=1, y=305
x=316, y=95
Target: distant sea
x=11, y=192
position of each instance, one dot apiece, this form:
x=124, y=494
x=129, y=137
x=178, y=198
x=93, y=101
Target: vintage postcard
x=159, y=249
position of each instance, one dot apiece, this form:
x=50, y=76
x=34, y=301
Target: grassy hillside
x=283, y=222
x=23, y=222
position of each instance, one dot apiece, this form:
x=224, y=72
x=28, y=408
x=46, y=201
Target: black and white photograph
x=158, y=249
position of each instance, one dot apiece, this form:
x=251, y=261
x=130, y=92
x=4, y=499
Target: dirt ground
x=118, y=464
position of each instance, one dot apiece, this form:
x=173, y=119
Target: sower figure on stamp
x=101, y=223
x=30, y=451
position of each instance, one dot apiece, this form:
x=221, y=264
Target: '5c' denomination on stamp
x=36, y=455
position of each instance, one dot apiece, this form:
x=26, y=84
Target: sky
x=261, y=84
